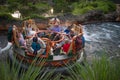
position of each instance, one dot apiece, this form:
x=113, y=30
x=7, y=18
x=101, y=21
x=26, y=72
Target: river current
x=102, y=38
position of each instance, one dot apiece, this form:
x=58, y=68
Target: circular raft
x=51, y=56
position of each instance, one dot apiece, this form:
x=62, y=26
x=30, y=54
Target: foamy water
x=102, y=37
x=96, y=32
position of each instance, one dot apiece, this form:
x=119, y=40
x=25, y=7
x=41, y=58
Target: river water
x=101, y=38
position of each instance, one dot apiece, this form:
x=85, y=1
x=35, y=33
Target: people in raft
x=29, y=30
x=78, y=32
x=22, y=41
x=12, y=38
x=36, y=46
x=30, y=27
x=55, y=25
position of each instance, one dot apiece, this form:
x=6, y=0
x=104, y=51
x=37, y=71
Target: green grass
x=15, y=72
x=98, y=69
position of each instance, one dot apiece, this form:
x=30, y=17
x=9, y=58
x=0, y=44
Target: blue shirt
x=56, y=28
x=67, y=31
x=36, y=46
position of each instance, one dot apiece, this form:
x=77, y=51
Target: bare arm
x=81, y=30
x=15, y=38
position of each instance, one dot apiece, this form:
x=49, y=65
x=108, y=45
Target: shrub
x=83, y=6
x=99, y=69
x=15, y=72
x=61, y=6
x=3, y=9
x=105, y=6
x=34, y=16
x=82, y=10
x=7, y=18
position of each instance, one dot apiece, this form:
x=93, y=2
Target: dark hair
x=35, y=39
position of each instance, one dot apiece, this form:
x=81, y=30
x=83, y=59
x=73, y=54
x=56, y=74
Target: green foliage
x=27, y=7
x=105, y=6
x=7, y=17
x=99, y=69
x=38, y=8
x=85, y=6
x=13, y=5
x=61, y=6
x=42, y=5
x=33, y=16
x=3, y=9
x=15, y=72
x=83, y=10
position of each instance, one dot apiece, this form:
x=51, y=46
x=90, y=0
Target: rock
x=110, y=17
x=118, y=18
x=94, y=15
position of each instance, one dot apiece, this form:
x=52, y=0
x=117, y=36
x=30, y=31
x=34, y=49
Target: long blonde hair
x=77, y=28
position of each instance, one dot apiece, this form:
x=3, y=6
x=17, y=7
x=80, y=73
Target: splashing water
x=102, y=36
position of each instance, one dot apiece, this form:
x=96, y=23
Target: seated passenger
x=56, y=28
x=78, y=31
x=22, y=41
x=55, y=25
x=12, y=38
x=68, y=26
x=29, y=30
x=68, y=30
x=66, y=46
x=35, y=45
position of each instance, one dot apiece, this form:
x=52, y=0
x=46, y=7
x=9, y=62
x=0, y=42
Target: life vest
x=40, y=46
x=10, y=34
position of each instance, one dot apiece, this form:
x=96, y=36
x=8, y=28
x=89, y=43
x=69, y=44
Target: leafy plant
x=7, y=18
x=34, y=16
x=100, y=69
x=15, y=72
x=85, y=6
x=61, y=6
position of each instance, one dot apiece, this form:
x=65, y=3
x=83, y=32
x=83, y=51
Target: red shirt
x=66, y=47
